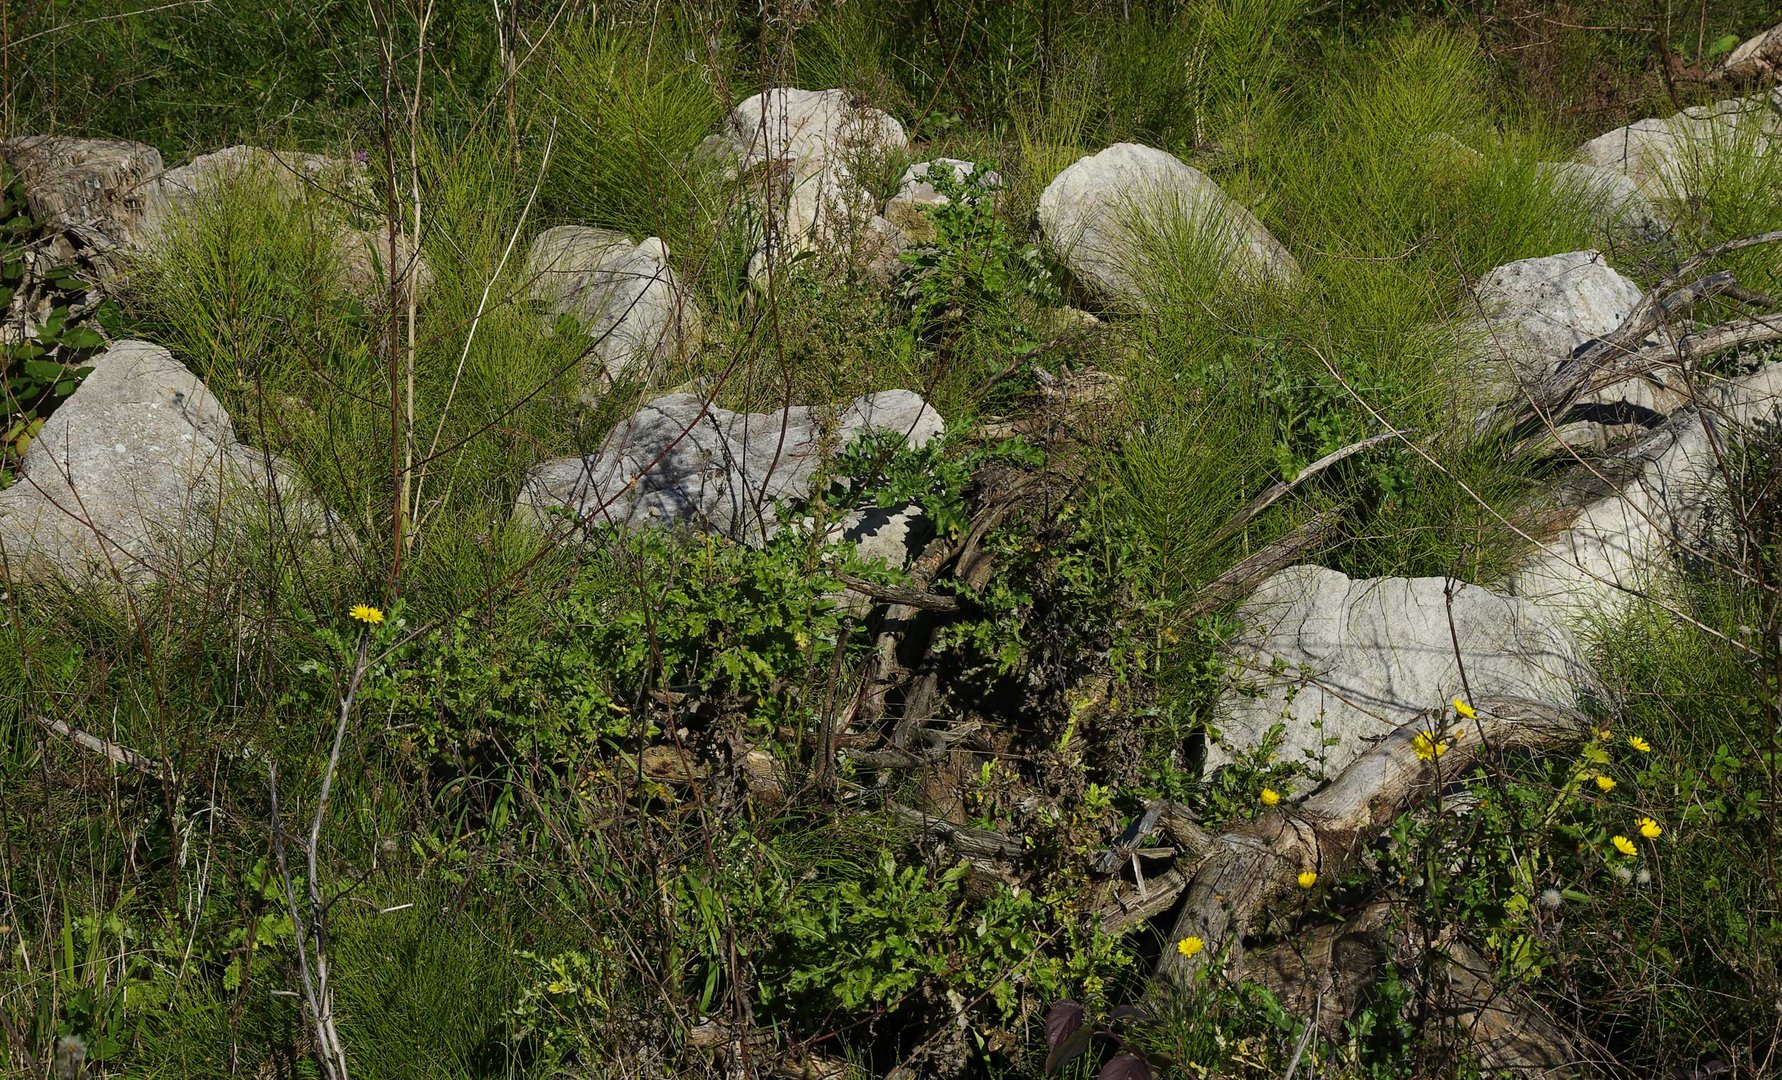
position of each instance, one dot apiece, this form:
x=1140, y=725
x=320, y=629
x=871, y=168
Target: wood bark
x=1258, y=864
x=1323, y=976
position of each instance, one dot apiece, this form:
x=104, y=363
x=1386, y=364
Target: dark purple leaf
x=1126, y=1067
x=1070, y=1049
x=1062, y=1020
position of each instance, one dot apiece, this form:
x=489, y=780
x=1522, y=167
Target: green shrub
x=735, y=625
x=630, y=108
x=54, y=322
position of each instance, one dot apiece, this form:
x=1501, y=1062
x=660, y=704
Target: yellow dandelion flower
x=1270, y=797
x=1427, y=746
x=1308, y=878
x=1603, y=734
x=1465, y=710
x=1650, y=829
x=1606, y=783
x=366, y=614
x=1639, y=744
x=1622, y=844
x=1190, y=946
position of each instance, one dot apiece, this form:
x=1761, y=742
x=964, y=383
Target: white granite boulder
x=1537, y=313
x=681, y=461
x=1340, y=662
x=138, y=475
x=1617, y=205
x=812, y=142
x=1670, y=158
x=337, y=188
x=624, y=294
x=785, y=124
x=291, y=173
x=115, y=201
x=1095, y=216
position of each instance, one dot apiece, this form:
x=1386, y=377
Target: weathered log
x=973, y=844
x=787, y=1063
x=901, y=594
x=1131, y=905
x=1257, y=864
x=1237, y=582
x=1153, y=895
x=1323, y=974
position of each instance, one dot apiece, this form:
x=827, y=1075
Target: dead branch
x=1281, y=490
x=974, y=845
x=921, y=599
x=1237, y=582
x=1626, y=352
x=105, y=748
x=1131, y=905
x=1257, y=864
x=1324, y=973
x=1147, y=897
x=790, y=1063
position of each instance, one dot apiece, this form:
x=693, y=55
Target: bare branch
x=901, y=594
x=1236, y=582
x=1258, y=863
x=107, y=749
x=1281, y=490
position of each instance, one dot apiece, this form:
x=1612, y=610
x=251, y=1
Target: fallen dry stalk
x=105, y=748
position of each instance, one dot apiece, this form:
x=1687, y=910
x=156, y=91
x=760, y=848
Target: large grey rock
x=1760, y=57
x=1621, y=544
x=1671, y=158
x=115, y=200
x=624, y=294
x=332, y=187
x=1616, y=203
x=679, y=460
x=366, y=262
x=138, y=475
x=291, y=173
x=1341, y=662
x=1537, y=313
x=811, y=142
x=799, y=127
x=105, y=193
x=1095, y=214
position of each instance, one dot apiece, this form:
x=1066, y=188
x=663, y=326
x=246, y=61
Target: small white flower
x=1549, y=898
